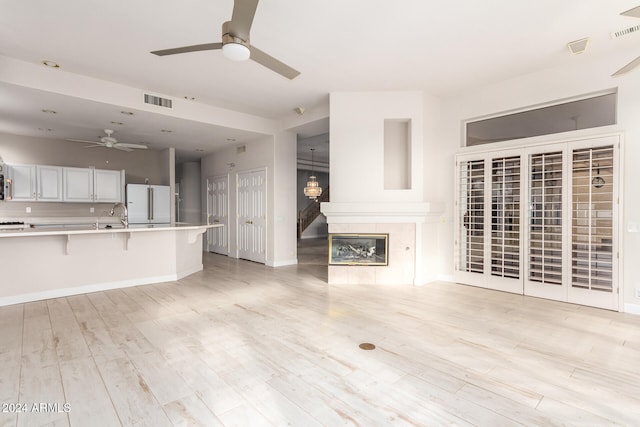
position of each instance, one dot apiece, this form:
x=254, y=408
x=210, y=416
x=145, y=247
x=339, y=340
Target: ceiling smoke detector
x=578, y=46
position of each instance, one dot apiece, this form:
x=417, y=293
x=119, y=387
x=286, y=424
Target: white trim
x=282, y=263
x=632, y=308
x=374, y=213
x=189, y=271
x=77, y=290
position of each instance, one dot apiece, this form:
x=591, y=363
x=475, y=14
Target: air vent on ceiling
x=578, y=46
x=625, y=32
x=241, y=149
x=158, y=100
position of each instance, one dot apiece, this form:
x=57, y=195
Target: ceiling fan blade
x=273, y=64
x=630, y=66
x=242, y=18
x=127, y=145
x=120, y=147
x=186, y=49
x=84, y=140
x=95, y=146
x=634, y=13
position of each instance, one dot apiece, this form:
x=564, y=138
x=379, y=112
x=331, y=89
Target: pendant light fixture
x=313, y=189
x=598, y=181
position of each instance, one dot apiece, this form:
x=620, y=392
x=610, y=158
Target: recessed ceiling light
x=50, y=64
x=126, y=113
x=200, y=150
x=166, y=130
x=117, y=123
x=190, y=98
x=49, y=111
x=231, y=140
x=46, y=129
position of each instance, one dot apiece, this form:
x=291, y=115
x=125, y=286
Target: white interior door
x=252, y=213
x=566, y=248
x=218, y=213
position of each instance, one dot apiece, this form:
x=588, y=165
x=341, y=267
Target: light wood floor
x=243, y=344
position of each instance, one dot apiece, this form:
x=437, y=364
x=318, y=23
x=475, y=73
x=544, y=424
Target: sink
x=113, y=227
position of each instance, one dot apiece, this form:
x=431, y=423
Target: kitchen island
x=52, y=261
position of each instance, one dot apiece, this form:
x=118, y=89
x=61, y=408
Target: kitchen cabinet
x=78, y=184
x=35, y=183
x=93, y=185
x=108, y=185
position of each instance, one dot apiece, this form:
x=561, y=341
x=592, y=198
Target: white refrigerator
x=148, y=204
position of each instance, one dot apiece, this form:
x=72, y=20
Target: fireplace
x=358, y=249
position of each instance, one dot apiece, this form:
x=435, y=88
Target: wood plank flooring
x=241, y=344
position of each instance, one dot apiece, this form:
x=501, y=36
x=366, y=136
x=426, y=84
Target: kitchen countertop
x=85, y=228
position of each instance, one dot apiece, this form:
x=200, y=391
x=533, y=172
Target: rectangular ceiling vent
x=241, y=149
x=625, y=32
x=578, y=46
x=158, y=100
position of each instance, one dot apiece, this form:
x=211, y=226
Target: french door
x=252, y=215
x=541, y=221
x=218, y=213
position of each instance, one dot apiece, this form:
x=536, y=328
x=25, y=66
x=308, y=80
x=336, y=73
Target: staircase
x=307, y=215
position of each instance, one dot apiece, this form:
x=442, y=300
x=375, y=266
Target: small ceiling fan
x=110, y=142
x=634, y=13
x=235, y=41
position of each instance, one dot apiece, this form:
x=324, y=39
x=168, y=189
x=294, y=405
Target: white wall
x=584, y=75
x=357, y=145
x=278, y=155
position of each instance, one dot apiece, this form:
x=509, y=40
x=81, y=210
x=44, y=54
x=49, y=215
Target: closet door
x=594, y=212
x=218, y=213
x=252, y=215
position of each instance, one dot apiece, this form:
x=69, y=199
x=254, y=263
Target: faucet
x=124, y=216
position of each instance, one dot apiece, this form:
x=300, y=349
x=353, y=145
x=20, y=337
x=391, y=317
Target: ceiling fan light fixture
x=236, y=51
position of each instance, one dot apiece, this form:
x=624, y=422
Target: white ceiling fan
x=110, y=142
x=634, y=13
x=235, y=41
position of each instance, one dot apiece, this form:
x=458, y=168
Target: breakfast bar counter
x=52, y=260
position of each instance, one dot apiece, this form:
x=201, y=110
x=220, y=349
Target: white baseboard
x=77, y=290
x=632, y=308
x=188, y=272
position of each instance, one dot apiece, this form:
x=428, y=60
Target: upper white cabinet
x=93, y=185
x=65, y=184
x=49, y=183
x=78, y=185
x=23, y=179
x=36, y=182
x=108, y=185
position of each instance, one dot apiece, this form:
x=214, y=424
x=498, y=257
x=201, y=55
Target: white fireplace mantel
x=376, y=213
